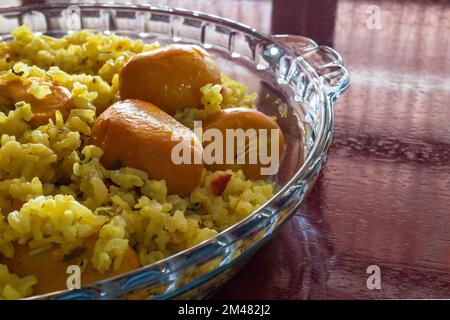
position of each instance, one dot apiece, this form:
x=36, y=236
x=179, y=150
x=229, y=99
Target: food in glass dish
x=103, y=164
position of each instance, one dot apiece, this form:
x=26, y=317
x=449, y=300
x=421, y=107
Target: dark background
x=383, y=197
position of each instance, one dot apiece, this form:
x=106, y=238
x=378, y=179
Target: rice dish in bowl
x=60, y=203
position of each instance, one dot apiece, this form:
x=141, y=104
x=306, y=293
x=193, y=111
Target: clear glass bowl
x=296, y=80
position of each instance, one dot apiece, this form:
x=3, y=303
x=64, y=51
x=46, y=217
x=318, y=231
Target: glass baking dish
x=296, y=80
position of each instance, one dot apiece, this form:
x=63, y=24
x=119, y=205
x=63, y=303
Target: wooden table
x=383, y=197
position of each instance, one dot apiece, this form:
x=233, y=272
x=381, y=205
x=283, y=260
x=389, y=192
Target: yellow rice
x=59, y=178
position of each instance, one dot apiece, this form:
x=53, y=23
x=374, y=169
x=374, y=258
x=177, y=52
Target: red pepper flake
x=219, y=184
x=108, y=182
x=222, y=91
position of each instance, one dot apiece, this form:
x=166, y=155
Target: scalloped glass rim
x=266, y=215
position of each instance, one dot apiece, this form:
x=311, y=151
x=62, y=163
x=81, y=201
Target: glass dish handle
x=325, y=61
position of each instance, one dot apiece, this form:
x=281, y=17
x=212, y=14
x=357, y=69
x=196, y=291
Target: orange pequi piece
x=243, y=118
